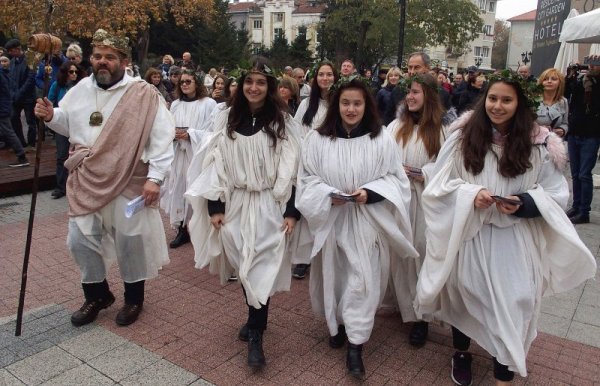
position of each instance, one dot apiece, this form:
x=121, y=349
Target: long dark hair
x=370, y=119
x=429, y=118
x=315, y=93
x=201, y=91
x=477, y=137
x=272, y=110
x=62, y=78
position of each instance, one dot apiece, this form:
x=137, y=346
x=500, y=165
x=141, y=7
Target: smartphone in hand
x=507, y=200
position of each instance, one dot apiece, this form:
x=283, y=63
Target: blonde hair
x=75, y=50
x=560, y=90
x=170, y=58
x=390, y=71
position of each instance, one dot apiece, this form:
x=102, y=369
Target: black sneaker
x=461, y=368
x=19, y=163
x=233, y=277
x=300, y=271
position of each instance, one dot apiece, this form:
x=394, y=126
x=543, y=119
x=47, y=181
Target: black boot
x=256, y=356
x=183, y=237
x=354, y=362
x=339, y=340
x=418, y=334
x=134, y=301
x=97, y=297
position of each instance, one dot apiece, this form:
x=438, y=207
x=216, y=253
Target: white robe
x=254, y=180
x=485, y=272
x=300, y=245
x=195, y=115
x=404, y=272
x=348, y=279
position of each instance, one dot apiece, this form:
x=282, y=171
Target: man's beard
x=107, y=77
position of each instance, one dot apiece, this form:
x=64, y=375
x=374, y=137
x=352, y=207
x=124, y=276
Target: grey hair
x=426, y=59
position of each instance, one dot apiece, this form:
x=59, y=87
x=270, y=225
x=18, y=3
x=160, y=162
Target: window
x=492, y=6
x=257, y=24
x=476, y=51
x=278, y=17
x=277, y=33
x=485, y=52
x=487, y=30
x=482, y=5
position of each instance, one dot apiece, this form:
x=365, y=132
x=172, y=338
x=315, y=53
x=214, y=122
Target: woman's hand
x=217, y=220
x=559, y=131
x=361, y=196
x=182, y=134
x=505, y=207
x=483, y=200
x=288, y=225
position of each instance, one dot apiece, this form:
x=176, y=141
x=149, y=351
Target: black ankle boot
x=183, y=237
x=339, y=340
x=354, y=362
x=97, y=297
x=256, y=355
x=418, y=334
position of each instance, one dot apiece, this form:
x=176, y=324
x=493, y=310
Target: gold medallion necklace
x=96, y=117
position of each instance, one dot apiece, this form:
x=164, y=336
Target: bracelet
x=156, y=181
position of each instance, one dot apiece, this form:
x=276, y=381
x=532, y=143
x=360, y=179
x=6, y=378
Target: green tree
x=500, y=47
x=299, y=54
x=370, y=27
x=279, y=53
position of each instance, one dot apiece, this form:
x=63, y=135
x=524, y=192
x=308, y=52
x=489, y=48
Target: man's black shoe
x=243, y=334
x=300, y=271
x=256, y=355
x=354, y=362
x=128, y=314
x=90, y=309
x=56, y=194
x=20, y=162
x=572, y=212
x=580, y=219
x=340, y=339
x=183, y=237
x=418, y=334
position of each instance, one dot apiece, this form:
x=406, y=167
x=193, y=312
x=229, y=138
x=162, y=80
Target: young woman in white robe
x=489, y=261
x=419, y=132
x=241, y=191
x=310, y=115
x=192, y=111
x=351, y=154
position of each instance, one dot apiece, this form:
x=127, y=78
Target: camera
x=593, y=60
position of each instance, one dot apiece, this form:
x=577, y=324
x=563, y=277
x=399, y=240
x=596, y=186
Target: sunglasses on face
x=72, y=71
x=72, y=58
x=187, y=82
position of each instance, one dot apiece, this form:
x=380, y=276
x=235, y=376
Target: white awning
x=584, y=28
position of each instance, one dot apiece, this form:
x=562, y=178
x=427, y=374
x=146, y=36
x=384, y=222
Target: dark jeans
x=8, y=134
x=31, y=123
x=257, y=317
x=62, y=153
x=583, y=153
x=462, y=342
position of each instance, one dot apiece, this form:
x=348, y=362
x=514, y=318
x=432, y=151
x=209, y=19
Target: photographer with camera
x=583, y=92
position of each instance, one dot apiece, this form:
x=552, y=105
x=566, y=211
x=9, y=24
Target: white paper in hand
x=134, y=206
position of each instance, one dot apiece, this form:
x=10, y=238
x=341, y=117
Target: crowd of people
x=445, y=201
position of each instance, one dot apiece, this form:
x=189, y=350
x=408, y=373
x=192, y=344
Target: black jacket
x=584, y=117
x=22, y=81
x=5, y=99
x=468, y=98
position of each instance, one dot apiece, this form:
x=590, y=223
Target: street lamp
x=322, y=19
x=478, y=61
x=526, y=57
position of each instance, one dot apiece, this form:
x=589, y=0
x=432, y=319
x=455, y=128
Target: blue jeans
x=583, y=153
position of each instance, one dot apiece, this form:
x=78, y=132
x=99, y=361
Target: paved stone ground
x=187, y=332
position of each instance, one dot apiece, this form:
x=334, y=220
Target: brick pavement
x=187, y=333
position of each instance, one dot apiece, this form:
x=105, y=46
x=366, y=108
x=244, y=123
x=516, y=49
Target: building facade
x=480, y=49
x=520, y=39
x=266, y=19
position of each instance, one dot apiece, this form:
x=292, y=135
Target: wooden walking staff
x=39, y=46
